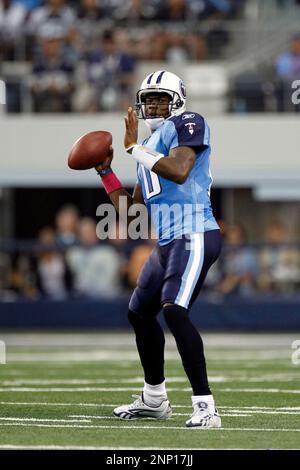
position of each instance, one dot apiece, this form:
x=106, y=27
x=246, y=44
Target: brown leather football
x=90, y=150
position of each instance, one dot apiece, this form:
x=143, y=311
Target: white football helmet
x=161, y=82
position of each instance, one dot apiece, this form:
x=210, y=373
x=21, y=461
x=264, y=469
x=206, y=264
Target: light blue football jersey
x=178, y=209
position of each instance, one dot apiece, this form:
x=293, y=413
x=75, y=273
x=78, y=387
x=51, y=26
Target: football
x=90, y=150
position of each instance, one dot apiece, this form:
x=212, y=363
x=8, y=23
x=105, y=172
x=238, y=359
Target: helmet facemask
x=160, y=82
x=174, y=105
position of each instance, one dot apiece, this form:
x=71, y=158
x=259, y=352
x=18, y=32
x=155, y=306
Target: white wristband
x=145, y=156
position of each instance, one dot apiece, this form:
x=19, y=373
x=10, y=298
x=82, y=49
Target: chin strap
x=154, y=123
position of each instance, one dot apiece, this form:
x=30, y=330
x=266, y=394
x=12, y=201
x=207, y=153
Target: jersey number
x=151, y=183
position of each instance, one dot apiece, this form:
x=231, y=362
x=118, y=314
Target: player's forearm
x=171, y=169
x=118, y=195
x=174, y=167
x=122, y=201
x=121, y=195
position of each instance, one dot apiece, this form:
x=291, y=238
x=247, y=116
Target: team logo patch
x=188, y=116
x=190, y=126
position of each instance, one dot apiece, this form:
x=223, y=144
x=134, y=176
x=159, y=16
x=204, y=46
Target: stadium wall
x=265, y=314
x=259, y=151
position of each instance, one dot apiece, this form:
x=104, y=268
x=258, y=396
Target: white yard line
x=140, y=380
x=235, y=412
x=240, y=414
x=46, y=420
x=130, y=426
x=95, y=381
x=258, y=390
x=137, y=389
x=36, y=403
x=77, y=389
x=262, y=412
x=280, y=408
x=111, y=405
x=84, y=420
x=81, y=389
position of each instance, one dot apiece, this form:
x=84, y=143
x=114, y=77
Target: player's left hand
x=131, y=128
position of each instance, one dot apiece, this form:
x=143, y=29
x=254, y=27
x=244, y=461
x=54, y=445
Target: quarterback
x=172, y=170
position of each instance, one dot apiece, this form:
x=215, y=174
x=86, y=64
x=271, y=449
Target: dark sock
x=150, y=341
x=190, y=347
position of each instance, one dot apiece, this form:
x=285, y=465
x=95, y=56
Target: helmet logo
x=182, y=89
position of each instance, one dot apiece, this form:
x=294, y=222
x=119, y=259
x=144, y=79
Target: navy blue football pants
x=171, y=279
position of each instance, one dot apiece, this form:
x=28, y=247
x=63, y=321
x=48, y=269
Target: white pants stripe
x=192, y=270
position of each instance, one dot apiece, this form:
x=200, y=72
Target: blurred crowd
x=271, y=89
x=83, y=53
x=69, y=261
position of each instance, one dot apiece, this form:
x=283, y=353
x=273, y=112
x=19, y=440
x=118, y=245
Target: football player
x=173, y=172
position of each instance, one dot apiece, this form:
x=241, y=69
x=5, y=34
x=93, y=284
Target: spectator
x=176, y=48
x=173, y=10
x=20, y=283
x=288, y=63
x=53, y=277
x=124, y=11
x=209, y=8
x=12, y=17
x=54, y=13
x=118, y=237
x=110, y=73
x=136, y=261
x=183, y=47
x=280, y=263
x=67, y=221
x=91, y=10
x=138, y=257
x=96, y=266
x=197, y=46
x=4, y=267
x=52, y=82
x=287, y=67
x=136, y=10
x=239, y=264
x=90, y=17
x=157, y=43
x=30, y=5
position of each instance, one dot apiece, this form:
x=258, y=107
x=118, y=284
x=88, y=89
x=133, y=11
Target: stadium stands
x=86, y=56
x=79, y=64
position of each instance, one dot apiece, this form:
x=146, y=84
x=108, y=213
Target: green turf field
x=58, y=391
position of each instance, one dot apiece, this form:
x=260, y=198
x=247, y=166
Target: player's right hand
x=107, y=162
x=131, y=128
